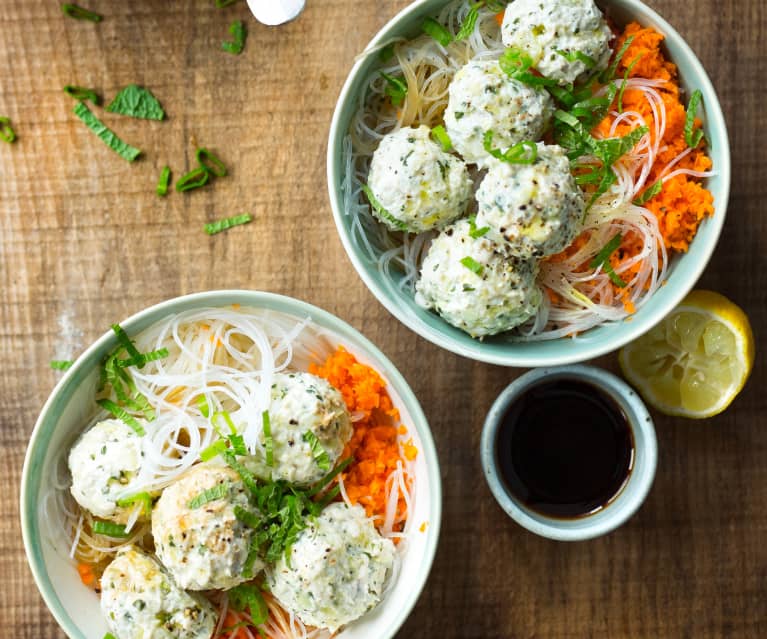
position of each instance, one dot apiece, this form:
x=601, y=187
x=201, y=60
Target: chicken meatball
x=420, y=186
x=535, y=209
x=474, y=284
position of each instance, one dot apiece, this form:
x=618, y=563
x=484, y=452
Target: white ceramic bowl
x=75, y=607
x=684, y=270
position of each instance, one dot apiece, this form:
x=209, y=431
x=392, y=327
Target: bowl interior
x=684, y=270
x=76, y=607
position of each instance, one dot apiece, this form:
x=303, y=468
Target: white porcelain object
x=276, y=12
x=630, y=496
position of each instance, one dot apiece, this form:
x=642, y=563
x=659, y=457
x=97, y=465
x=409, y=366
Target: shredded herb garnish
x=78, y=13
x=517, y=63
x=123, y=149
x=109, y=528
x=121, y=414
x=210, y=162
x=691, y=136
x=609, y=73
x=219, y=491
x=163, y=182
x=227, y=420
x=396, y=89
x=83, y=94
x=137, y=102
x=474, y=231
x=202, y=404
x=268, y=441
x=603, y=259
x=7, y=134
x=441, y=136
x=470, y=22
x=145, y=499
x=239, y=35
x=318, y=452
x=249, y=596
x=237, y=443
x=525, y=152
x=222, y=225
x=196, y=178
x=379, y=208
x=434, y=29
x=61, y=364
x=472, y=264
x=649, y=193
x=626, y=75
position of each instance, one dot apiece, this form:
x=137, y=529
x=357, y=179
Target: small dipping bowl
x=628, y=498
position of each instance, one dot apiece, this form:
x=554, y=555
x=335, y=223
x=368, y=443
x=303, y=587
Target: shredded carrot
x=683, y=202
x=87, y=574
x=374, y=443
x=499, y=17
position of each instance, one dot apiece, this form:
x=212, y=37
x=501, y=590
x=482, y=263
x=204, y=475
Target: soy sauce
x=565, y=448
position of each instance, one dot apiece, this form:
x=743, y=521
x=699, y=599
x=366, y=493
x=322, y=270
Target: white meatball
x=104, y=464
x=421, y=186
x=567, y=39
x=536, y=209
x=307, y=417
x=141, y=601
x=200, y=541
x=475, y=285
x=484, y=98
x=337, y=570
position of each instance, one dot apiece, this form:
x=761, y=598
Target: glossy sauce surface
x=564, y=448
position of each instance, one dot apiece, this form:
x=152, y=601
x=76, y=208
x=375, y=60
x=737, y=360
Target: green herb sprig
x=649, y=193
x=692, y=136
x=319, y=454
x=603, y=259
x=396, y=89
x=123, y=149
x=137, y=102
x=249, y=596
x=525, y=152
x=219, y=491
x=211, y=228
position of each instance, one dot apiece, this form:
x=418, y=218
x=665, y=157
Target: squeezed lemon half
x=695, y=362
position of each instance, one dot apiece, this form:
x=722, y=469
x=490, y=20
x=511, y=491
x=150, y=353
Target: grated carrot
x=499, y=17
x=374, y=444
x=87, y=574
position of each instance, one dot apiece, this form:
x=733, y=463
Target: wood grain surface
x=84, y=241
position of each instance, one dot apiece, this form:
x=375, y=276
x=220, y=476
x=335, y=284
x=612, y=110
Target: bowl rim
x=631, y=330
x=48, y=418
x=605, y=520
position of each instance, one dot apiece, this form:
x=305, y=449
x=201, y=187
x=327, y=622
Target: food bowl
x=684, y=270
x=70, y=405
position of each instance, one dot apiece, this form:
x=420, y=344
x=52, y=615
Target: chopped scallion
x=268, y=441
x=78, y=13
x=214, y=450
x=82, y=93
x=202, y=404
x=474, y=231
x=61, y=364
x=145, y=499
x=109, y=528
x=239, y=34
x=7, y=134
x=472, y=264
x=163, y=182
x=441, y=136
x=469, y=22
x=196, y=178
x=396, y=89
x=222, y=225
x=434, y=29
x=210, y=162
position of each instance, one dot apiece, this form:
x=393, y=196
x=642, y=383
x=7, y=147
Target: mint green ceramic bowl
x=684, y=270
x=75, y=607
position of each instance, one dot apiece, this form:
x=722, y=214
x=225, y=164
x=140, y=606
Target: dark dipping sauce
x=564, y=448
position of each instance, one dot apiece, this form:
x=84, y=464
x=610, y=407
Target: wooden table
x=85, y=241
